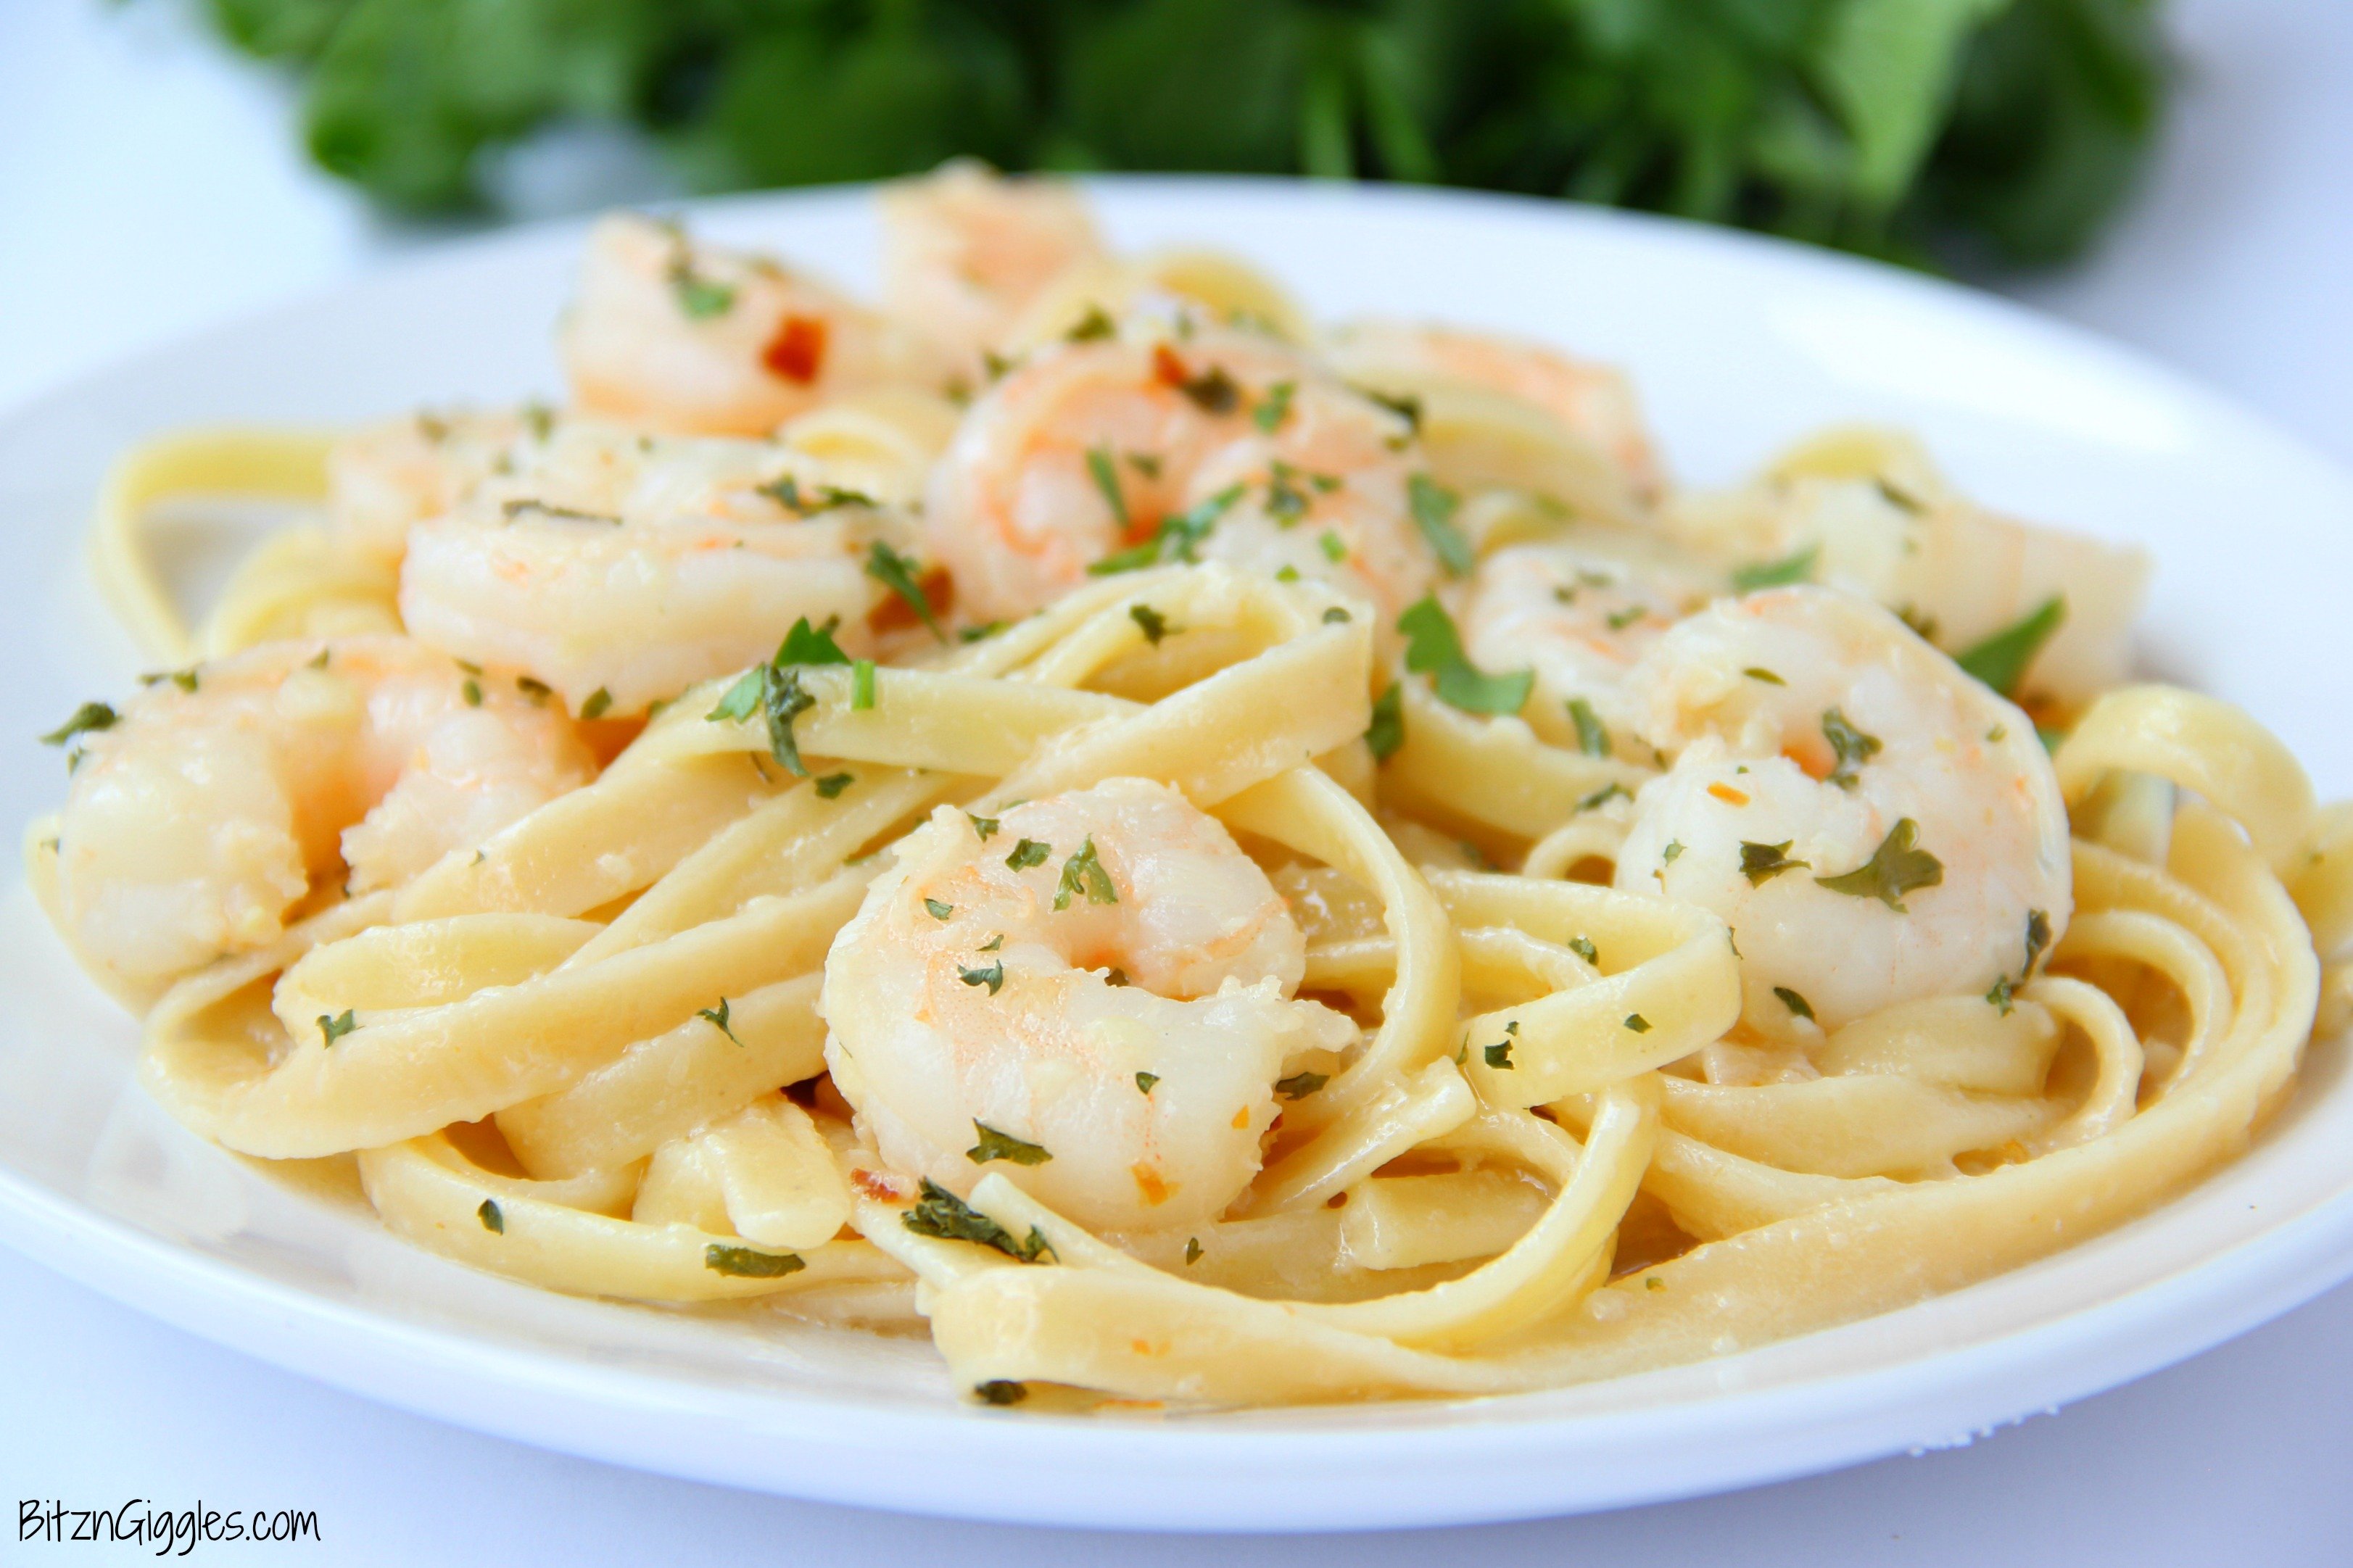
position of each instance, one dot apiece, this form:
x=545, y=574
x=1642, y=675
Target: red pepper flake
x=797, y=351
x=1168, y=367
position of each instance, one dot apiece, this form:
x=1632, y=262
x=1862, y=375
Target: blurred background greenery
x=1926, y=131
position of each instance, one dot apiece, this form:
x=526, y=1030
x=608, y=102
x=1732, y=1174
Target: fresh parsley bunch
x=1899, y=127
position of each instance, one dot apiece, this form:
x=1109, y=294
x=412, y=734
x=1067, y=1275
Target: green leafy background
x=1913, y=129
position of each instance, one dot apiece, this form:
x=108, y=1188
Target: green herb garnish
x=1433, y=647
x=1759, y=574
x=1175, y=537
x=1082, y=873
x=717, y=1018
x=2001, y=660
x=831, y=786
x=1760, y=863
x=1638, y=1023
x=750, y=1262
x=1154, y=625
x=1592, y=735
x=87, y=719
x=1851, y=746
x=1269, y=414
x=1106, y=478
x=861, y=685
x=897, y=573
x=599, y=702
x=331, y=1029
x=1434, y=507
x=1299, y=1086
x=995, y=1145
x=493, y=1218
x=1758, y=672
x=1028, y=852
x=1796, y=1004
x=940, y=1214
x=993, y=976
x=1144, y=1081
x=939, y=911
x=1897, y=868
x=1001, y=1391
x=983, y=825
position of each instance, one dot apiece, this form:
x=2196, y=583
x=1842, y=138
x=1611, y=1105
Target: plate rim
x=2234, y=1290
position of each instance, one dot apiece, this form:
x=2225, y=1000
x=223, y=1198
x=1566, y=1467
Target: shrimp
x=606, y=561
x=1594, y=402
x=965, y=252
x=1580, y=617
x=698, y=340
x=1866, y=510
x=1224, y=446
x=384, y=479
x=1096, y=988
x=1875, y=824
x=219, y=798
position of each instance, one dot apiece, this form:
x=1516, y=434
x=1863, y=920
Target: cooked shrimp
x=691, y=338
x=385, y=479
x=633, y=566
x=1096, y=988
x=209, y=808
x=1246, y=449
x=1867, y=511
x=1875, y=825
x=965, y=249
x=1594, y=402
x=1580, y=617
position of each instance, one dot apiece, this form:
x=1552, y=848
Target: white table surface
x=149, y=186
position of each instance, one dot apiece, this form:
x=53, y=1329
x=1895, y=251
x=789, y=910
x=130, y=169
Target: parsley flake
x=1796, y=1004
x=1106, y=478
x=940, y=1214
x=599, y=702
x=1001, y=1391
x=1084, y=873
x=1851, y=746
x=1299, y=1086
x=2000, y=994
x=1759, y=574
x=1144, y=1081
x=1154, y=625
x=1638, y=1023
x=1897, y=868
x=995, y=1145
x=938, y=911
x=983, y=825
x=831, y=786
x=861, y=685
x=1758, y=672
x=1175, y=537
x=1027, y=853
x=1592, y=735
x=897, y=573
x=1269, y=415
x=1760, y=863
x=331, y=1029
x=993, y=976
x=750, y=1262
x=1386, y=734
x=1434, y=648
x=493, y=1218
x=87, y=719
x=2001, y=660
x=2038, y=937
x=1192, y=1250
x=1434, y=507
x=1604, y=795
x=717, y=1018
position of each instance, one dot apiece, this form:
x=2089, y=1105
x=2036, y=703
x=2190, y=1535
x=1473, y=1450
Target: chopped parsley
x=993, y=976
x=897, y=573
x=981, y=633
x=2001, y=660
x=861, y=684
x=1406, y=407
x=1027, y=853
x=1758, y=672
x=995, y=1145
x=717, y=1018
x=1192, y=1250
x=1299, y=1086
x=1851, y=746
x=1175, y=537
x=1499, y=1055
x=599, y=702
x=1673, y=852
x=1115, y=976
x=938, y=911
x=515, y=509
x=331, y=1029
x=1604, y=795
x=2000, y=994
x=1386, y=734
x=473, y=692
x=1434, y=507
x=1796, y=1004
x=1001, y=1391
x=1583, y=947
x=983, y=825
x=1434, y=648
x=1760, y=863
x=1084, y=873
x=1285, y=501
x=831, y=786
x=1334, y=548
x=1592, y=735
x=185, y=679
x=493, y=1218
x=536, y=692
x=1269, y=415
x=1759, y=574
x=699, y=299
x=750, y=1262
x=1154, y=625
x=1620, y=619
x=1335, y=616
x=2038, y=937
x=87, y=719
x=1638, y=1023
x=939, y=1212
x=1095, y=324
x=1145, y=463
x=1144, y=1081
x=1106, y=478
x=786, y=492
x=773, y=689
x=1897, y=868
x=1212, y=391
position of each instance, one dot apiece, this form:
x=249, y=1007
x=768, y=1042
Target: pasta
x=1268, y=865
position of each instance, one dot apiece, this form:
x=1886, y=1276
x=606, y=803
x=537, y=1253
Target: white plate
x=1737, y=345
